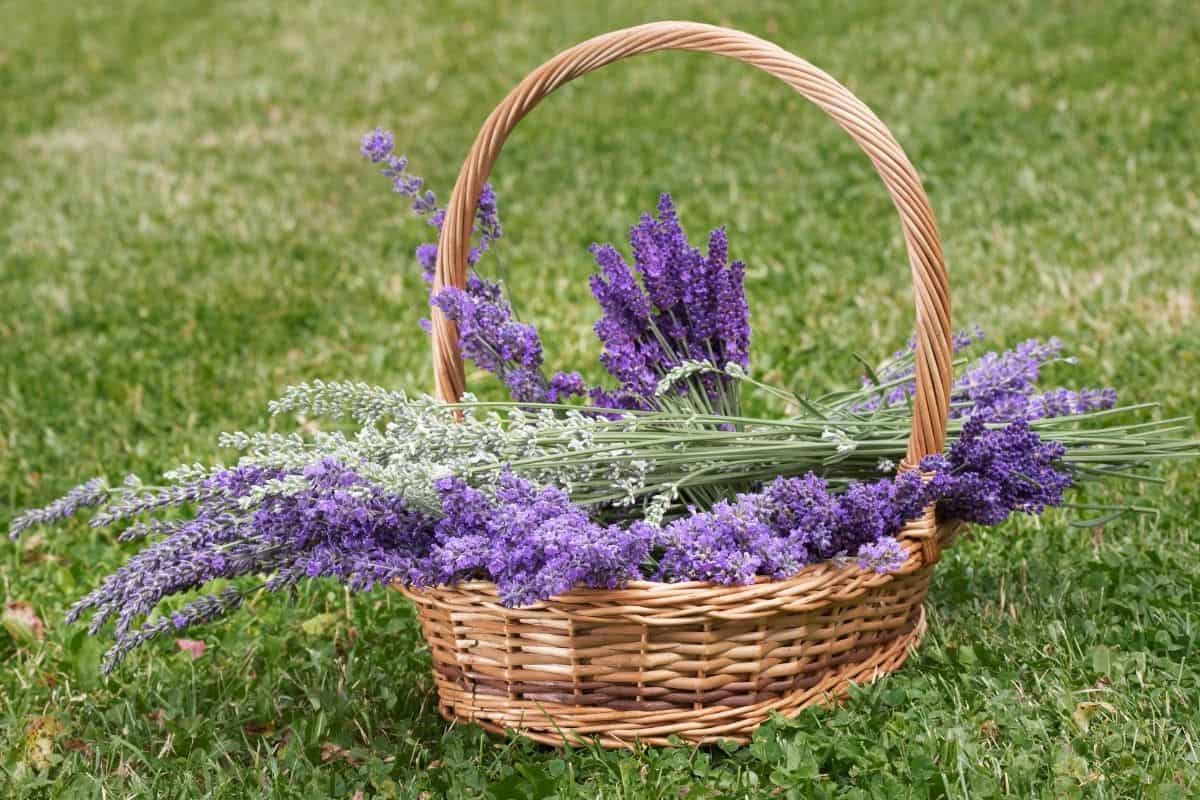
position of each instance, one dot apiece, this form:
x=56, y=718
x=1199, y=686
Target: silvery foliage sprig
x=652, y=463
x=404, y=445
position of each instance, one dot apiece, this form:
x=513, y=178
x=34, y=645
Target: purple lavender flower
x=991, y=472
x=494, y=341
x=883, y=555
x=200, y=611
x=527, y=385
x=90, y=494
x=791, y=523
x=489, y=336
x=998, y=387
x=1000, y=382
x=411, y=186
x=1067, y=403
x=618, y=400
x=339, y=526
x=534, y=543
x=988, y=474
x=869, y=511
x=427, y=258
x=487, y=222
x=729, y=544
x=732, y=311
x=805, y=514
x=686, y=306
x=564, y=385
x=377, y=145
x=1001, y=387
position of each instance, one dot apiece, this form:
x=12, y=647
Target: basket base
x=560, y=724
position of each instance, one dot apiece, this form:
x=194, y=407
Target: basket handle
x=930, y=285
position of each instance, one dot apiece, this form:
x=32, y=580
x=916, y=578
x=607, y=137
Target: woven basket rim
x=809, y=578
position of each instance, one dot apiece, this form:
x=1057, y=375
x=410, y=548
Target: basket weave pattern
x=692, y=660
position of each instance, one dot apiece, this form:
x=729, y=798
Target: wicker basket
x=689, y=660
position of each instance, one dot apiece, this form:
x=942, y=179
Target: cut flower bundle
x=659, y=476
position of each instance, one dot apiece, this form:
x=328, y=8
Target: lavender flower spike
x=489, y=336
x=377, y=145
x=93, y=493
x=688, y=306
x=883, y=555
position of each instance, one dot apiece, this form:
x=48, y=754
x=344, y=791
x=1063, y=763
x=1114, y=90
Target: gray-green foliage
x=650, y=463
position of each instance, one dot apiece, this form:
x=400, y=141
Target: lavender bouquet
x=656, y=475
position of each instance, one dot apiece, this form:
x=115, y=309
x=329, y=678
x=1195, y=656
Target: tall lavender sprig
x=200, y=611
x=997, y=387
x=489, y=334
x=687, y=306
x=1001, y=387
x=89, y=494
x=337, y=525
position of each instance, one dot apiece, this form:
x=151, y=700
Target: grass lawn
x=186, y=228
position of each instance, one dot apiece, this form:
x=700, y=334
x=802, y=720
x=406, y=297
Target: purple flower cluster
x=884, y=555
x=991, y=472
x=532, y=542
x=93, y=493
x=791, y=523
x=686, y=306
x=988, y=474
x=377, y=147
x=998, y=387
x=489, y=334
x=1001, y=387
x=339, y=526
x=1066, y=403
x=494, y=341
